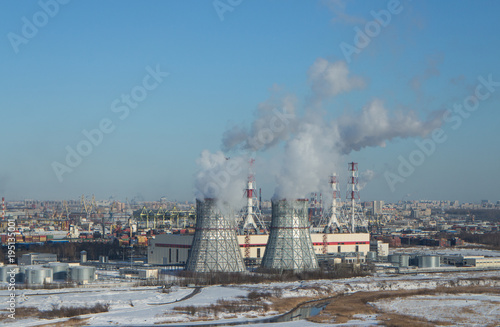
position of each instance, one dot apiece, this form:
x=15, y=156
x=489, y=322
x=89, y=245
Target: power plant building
x=174, y=249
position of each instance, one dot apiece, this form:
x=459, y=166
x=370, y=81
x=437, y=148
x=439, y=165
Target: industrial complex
x=212, y=236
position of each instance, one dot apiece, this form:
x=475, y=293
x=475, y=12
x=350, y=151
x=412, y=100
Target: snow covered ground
x=149, y=305
x=459, y=309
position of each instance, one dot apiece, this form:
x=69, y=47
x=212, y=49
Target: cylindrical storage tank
x=83, y=256
x=215, y=246
x=393, y=258
x=404, y=260
x=289, y=246
x=36, y=275
x=371, y=256
x=59, y=270
x=6, y=272
x=429, y=261
x=82, y=274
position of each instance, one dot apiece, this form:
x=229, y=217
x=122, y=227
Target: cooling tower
x=289, y=246
x=215, y=247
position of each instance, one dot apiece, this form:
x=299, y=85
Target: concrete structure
x=173, y=249
x=215, y=247
x=29, y=259
x=289, y=246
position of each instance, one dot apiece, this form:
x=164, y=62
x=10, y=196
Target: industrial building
x=478, y=261
x=37, y=258
x=482, y=262
x=140, y=273
x=174, y=249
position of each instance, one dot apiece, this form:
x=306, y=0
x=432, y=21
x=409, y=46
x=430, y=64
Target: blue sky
x=64, y=78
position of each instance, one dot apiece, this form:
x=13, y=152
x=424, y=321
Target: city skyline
x=127, y=99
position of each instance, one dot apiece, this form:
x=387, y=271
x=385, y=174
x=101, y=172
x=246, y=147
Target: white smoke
x=374, y=126
x=222, y=178
x=313, y=146
x=274, y=121
x=310, y=156
x=364, y=178
x=329, y=79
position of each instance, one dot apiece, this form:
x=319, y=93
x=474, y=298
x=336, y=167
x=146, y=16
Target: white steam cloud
x=313, y=147
x=364, y=178
x=329, y=79
x=374, y=126
x=274, y=121
x=222, y=178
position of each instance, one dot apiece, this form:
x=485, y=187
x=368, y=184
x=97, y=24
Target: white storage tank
x=400, y=260
x=404, y=260
x=393, y=258
x=82, y=274
x=429, y=261
x=59, y=270
x=5, y=273
x=37, y=275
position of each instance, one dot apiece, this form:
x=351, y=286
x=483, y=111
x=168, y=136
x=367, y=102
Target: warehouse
x=482, y=262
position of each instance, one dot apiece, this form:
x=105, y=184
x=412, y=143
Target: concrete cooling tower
x=289, y=246
x=215, y=247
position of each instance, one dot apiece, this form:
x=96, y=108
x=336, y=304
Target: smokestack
x=252, y=214
x=334, y=221
x=353, y=195
x=249, y=221
x=260, y=199
x=3, y=208
x=290, y=246
x=215, y=247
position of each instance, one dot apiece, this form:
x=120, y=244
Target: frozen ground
x=149, y=305
x=459, y=309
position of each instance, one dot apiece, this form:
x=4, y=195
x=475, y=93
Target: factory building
x=174, y=249
x=482, y=262
x=37, y=258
